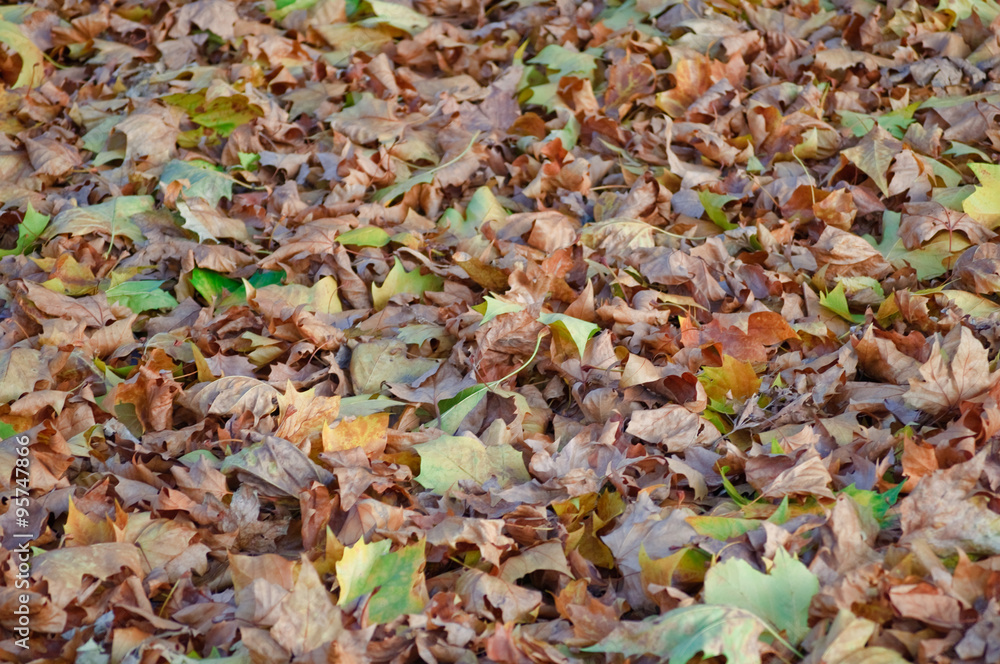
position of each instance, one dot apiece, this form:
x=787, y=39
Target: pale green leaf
x=395, y=15
x=972, y=305
x=141, y=296
x=198, y=179
x=984, y=203
x=32, y=59
x=366, y=236
x=400, y=281
x=386, y=360
x=780, y=598
x=447, y=459
x=961, y=150
x=454, y=410
x=573, y=329
x=681, y=634
x=493, y=307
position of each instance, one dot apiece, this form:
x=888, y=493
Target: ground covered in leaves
x=519, y=331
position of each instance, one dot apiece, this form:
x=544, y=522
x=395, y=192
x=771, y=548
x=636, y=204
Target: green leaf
x=731, y=491
x=395, y=579
x=575, y=330
x=6, y=431
x=400, y=281
x=894, y=122
x=482, y=207
x=362, y=405
x=961, y=150
x=282, y=8
x=366, y=236
x=222, y=114
x=210, y=284
x=395, y=15
x=492, y=307
x=565, y=61
x=454, y=410
x=32, y=59
x=836, y=301
x=203, y=180
x=873, y=156
x=681, y=634
x=713, y=204
x=858, y=124
x=448, y=459
x=141, y=296
x=876, y=504
x=249, y=161
x=780, y=598
x=28, y=231
x=984, y=203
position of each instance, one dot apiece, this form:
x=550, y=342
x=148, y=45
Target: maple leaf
x=448, y=459
x=957, y=370
x=395, y=579
x=873, y=155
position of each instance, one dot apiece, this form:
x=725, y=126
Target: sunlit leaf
x=400, y=281
x=572, y=329
x=395, y=579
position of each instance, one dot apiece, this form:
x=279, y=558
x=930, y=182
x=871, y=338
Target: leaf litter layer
x=519, y=331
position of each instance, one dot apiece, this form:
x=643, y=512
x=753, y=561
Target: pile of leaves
x=517, y=331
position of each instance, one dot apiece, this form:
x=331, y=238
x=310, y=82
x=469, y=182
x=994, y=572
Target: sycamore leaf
x=205, y=221
x=28, y=231
x=454, y=410
x=400, y=281
x=734, y=378
x=447, y=459
x=112, y=218
x=572, y=329
x=20, y=369
x=32, y=59
x=836, y=301
x=366, y=236
x=395, y=15
x=873, y=156
x=307, y=618
x=396, y=579
x=713, y=204
x=681, y=634
x=780, y=598
x=954, y=373
x=141, y=296
x=386, y=360
x=198, y=179
x=493, y=307
x=984, y=203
